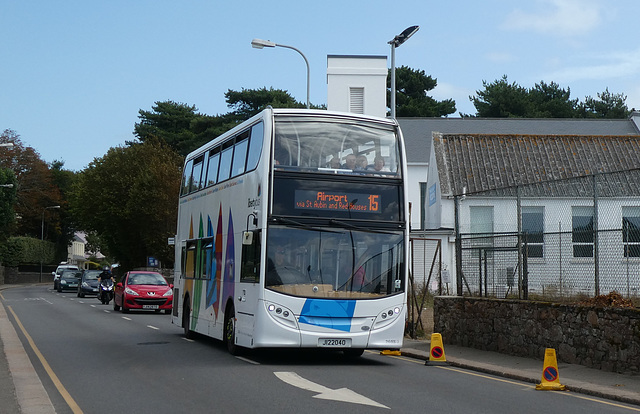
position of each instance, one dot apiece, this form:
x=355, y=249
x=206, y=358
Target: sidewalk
x=20, y=388
x=576, y=378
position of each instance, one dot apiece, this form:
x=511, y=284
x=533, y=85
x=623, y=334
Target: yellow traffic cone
x=550, y=377
x=436, y=353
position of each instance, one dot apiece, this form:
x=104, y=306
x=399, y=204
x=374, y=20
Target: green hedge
x=26, y=250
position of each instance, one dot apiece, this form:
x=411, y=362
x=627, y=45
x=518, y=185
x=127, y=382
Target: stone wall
x=602, y=338
x=12, y=276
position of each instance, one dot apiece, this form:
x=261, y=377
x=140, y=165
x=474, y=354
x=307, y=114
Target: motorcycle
x=106, y=291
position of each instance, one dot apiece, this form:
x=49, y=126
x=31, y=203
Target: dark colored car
x=69, y=280
x=61, y=268
x=89, y=283
x=143, y=290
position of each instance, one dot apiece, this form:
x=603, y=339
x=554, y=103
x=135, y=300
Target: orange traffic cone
x=550, y=380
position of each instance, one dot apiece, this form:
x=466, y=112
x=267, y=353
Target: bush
x=26, y=250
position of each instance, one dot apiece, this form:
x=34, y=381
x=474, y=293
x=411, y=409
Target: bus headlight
x=386, y=317
x=282, y=315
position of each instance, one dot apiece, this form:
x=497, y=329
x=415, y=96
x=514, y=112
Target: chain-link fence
x=425, y=280
x=562, y=238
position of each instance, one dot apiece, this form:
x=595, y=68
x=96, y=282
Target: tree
x=7, y=202
x=177, y=124
x=411, y=95
x=63, y=179
x=129, y=198
x=608, y=105
x=36, y=188
x=551, y=101
x=249, y=102
x=501, y=99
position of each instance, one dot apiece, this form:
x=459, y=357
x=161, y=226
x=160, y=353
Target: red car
x=143, y=290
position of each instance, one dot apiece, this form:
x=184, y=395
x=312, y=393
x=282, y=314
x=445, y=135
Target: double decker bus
x=293, y=232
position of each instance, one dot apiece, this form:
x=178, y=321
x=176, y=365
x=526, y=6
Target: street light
x=6, y=185
x=7, y=144
x=396, y=42
x=42, y=238
x=260, y=44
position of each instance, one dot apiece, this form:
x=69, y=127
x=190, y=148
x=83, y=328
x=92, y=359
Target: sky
x=75, y=73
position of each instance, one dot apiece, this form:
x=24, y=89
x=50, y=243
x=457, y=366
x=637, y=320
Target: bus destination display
x=337, y=201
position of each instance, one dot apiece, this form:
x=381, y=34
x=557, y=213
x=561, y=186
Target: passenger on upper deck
x=350, y=162
x=378, y=165
x=361, y=162
x=335, y=163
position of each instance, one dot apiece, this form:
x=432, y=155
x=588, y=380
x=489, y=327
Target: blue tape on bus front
x=332, y=314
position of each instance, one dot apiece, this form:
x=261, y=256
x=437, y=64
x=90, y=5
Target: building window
x=582, y=231
x=481, y=219
x=533, y=226
x=631, y=231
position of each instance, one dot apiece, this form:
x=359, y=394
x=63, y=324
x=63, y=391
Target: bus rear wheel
x=230, y=331
x=186, y=321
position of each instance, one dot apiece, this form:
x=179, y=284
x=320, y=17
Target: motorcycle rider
x=104, y=276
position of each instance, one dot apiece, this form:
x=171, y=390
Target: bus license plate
x=334, y=343
x=150, y=306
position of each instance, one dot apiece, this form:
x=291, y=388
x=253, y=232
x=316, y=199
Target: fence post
x=525, y=268
x=520, y=251
x=596, y=255
x=456, y=213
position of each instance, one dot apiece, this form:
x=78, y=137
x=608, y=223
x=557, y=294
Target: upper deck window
x=336, y=146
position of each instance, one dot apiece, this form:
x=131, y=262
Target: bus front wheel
x=353, y=352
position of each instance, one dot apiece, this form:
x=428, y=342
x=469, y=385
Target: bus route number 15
x=373, y=202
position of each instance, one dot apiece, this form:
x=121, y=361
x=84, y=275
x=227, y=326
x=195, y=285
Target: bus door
x=248, y=289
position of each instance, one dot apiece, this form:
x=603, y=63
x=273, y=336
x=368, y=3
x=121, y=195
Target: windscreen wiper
x=304, y=226
x=359, y=228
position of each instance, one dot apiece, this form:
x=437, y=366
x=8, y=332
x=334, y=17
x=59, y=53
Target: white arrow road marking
x=341, y=394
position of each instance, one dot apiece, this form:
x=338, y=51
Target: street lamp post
x=6, y=185
x=396, y=42
x=260, y=44
x=7, y=144
x=42, y=238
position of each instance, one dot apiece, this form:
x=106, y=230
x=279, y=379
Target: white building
x=358, y=84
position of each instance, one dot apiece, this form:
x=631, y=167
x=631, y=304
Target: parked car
x=88, y=283
x=61, y=268
x=69, y=280
x=143, y=290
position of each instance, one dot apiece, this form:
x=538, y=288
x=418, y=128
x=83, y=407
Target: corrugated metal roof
x=480, y=162
x=417, y=131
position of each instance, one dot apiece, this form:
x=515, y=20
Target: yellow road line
x=54, y=378
x=493, y=378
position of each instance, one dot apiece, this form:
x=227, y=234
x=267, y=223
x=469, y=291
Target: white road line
x=187, y=339
x=248, y=360
x=124, y=317
x=153, y=327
